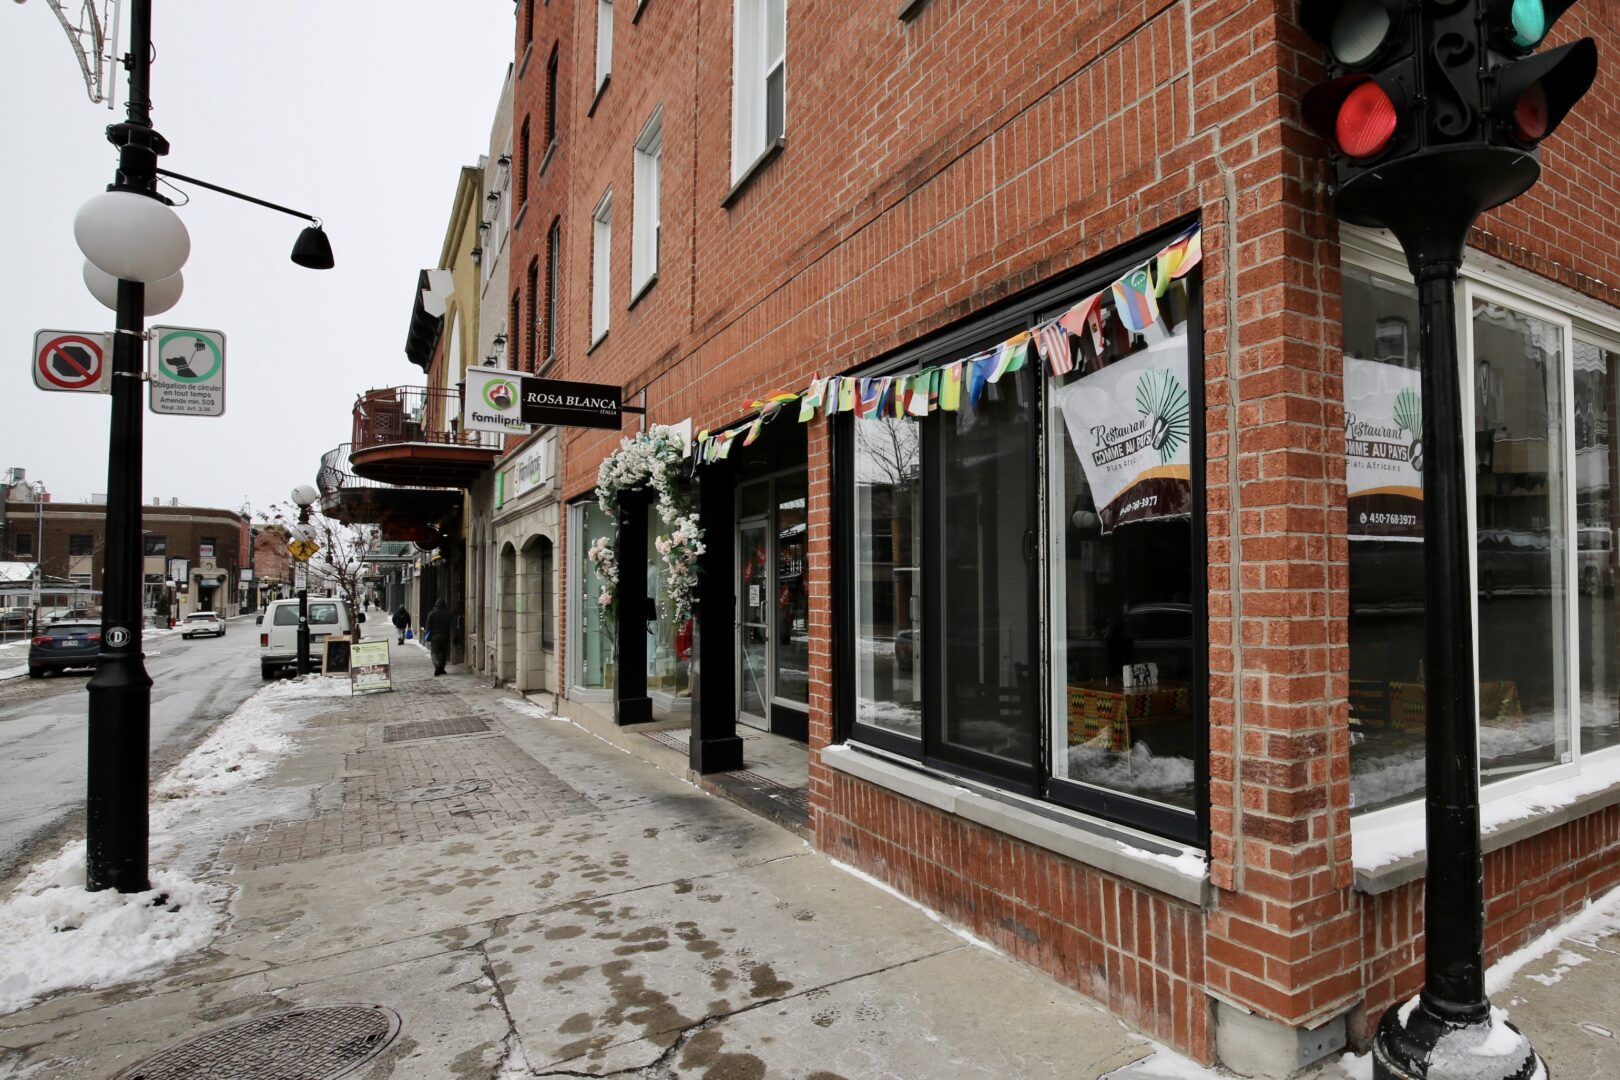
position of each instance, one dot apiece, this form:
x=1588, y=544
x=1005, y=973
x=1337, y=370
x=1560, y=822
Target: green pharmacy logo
x=1163, y=400
x=500, y=394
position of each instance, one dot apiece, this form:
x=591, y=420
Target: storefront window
x=669, y=646
x=595, y=632
x=888, y=594
x=1544, y=513
x=1597, y=519
x=1026, y=600
x=989, y=660
x=1522, y=539
x=1122, y=616
x=791, y=603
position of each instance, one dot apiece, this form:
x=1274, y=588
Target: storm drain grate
x=427, y=729
x=664, y=738
x=320, y=1043
x=449, y=789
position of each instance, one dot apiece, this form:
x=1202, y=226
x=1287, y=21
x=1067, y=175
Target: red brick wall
x=1530, y=887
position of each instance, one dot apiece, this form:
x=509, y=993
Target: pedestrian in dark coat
x=439, y=627
x=402, y=622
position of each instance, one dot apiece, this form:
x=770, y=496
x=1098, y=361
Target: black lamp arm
x=238, y=195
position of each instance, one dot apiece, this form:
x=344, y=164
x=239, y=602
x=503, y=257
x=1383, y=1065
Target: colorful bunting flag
x=772, y=402
x=1133, y=301
x=1083, y=318
x=810, y=400
x=1052, y=342
x=950, y=391
x=870, y=397
x=846, y=394
x=1009, y=356
x=976, y=372
x=1186, y=252
x=917, y=394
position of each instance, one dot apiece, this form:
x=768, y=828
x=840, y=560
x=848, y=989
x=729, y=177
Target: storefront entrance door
x=773, y=618
x=753, y=539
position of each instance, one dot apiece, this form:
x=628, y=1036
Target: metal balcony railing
x=415, y=414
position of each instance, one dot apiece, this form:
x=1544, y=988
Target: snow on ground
x=56, y=935
x=13, y=672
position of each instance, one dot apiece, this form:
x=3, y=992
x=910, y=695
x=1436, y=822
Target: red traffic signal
x=1535, y=94
x=1359, y=115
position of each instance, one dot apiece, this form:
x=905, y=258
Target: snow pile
x=55, y=935
x=1600, y=918
x=527, y=708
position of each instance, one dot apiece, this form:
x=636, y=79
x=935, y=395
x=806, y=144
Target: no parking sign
x=66, y=361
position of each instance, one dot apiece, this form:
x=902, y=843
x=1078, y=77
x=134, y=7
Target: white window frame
x=604, y=42
x=1487, y=278
x=753, y=63
x=646, y=195
x=602, y=267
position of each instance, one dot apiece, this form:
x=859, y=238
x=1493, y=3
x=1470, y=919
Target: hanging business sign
x=532, y=469
x=490, y=401
x=571, y=404
x=1130, y=424
x=186, y=371
x=1383, y=447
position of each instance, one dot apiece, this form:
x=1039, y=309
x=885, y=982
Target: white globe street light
x=133, y=237
x=304, y=495
x=160, y=295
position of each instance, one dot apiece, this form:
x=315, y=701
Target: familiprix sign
x=490, y=401
x=571, y=404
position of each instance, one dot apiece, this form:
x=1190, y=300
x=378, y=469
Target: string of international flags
x=943, y=388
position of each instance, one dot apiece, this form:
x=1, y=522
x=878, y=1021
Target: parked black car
x=63, y=645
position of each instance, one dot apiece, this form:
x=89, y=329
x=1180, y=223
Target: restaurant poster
x=369, y=669
x=1383, y=446
x=1130, y=425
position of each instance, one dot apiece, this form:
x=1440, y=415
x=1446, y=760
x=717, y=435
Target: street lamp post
x=129, y=234
x=304, y=497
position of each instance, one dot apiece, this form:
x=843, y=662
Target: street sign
x=68, y=361
x=571, y=404
x=186, y=369
x=302, y=549
x=491, y=401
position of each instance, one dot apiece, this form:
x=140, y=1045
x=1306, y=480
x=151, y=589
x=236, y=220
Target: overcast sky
x=358, y=111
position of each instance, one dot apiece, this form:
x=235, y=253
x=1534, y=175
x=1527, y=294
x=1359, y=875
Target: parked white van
x=278, y=633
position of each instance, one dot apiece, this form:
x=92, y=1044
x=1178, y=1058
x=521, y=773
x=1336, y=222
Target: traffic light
x=1438, y=104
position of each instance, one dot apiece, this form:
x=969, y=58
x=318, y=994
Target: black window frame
x=81, y=545
x=972, y=335
x=19, y=549
x=154, y=546
x=553, y=257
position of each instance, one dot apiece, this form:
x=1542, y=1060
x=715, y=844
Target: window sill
x=1149, y=861
x=601, y=88
x=523, y=65
x=635, y=16
x=646, y=287
x=910, y=8
x=1389, y=849
x=545, y=160
x=598, y=340
x=754, y=170
x=517, y=223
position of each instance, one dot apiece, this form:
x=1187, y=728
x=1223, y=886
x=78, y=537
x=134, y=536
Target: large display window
x=1541, y=404
x=1024, y=554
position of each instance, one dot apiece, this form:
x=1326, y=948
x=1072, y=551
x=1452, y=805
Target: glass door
x=753, y=598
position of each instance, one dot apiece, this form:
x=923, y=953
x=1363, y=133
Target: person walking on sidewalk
x=439, y=627
x=402, y=622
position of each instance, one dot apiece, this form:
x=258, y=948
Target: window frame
x=982, y=330
x=551, y=101
x=17, y=539
x=602, y=268
x=533, y=311
x=646, y=210
x=604, y=46
x=553, y=260
x=751, y=69
x=1485, y=277
x=513, y=333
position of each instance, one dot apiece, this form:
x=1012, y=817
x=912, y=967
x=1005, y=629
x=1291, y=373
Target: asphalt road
x=195, y=684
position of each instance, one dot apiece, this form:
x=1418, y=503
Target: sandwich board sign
x=186, y=370
x=369, y=668
x=66, y=361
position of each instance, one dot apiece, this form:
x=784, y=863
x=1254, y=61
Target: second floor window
x=759, y=83
x=601, y=251
x=523, y=164
x=515, y=338
x=80, y=544
x=23, y=546
x=551, y=98
x=553, y=257
x=604, y=42
x=647, y=193
x=536, y=353
x=154, y=545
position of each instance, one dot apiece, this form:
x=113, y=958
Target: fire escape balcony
x=410, y=435
x=401, y=513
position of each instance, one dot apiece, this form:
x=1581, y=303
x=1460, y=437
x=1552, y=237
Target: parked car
x=278, y=634
x=62, y=645
x=199, y=623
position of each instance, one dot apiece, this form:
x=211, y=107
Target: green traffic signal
x=1518, y=26
x=1529, y=21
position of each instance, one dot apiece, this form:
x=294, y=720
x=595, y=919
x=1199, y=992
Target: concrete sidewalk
x=530, y=900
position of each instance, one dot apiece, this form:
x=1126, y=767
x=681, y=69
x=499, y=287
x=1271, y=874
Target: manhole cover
x=301, y=1044
x=450, y=789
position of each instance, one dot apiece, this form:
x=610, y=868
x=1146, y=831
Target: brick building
x=1163, y=740
x=69, y=538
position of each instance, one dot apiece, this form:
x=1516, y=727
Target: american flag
x=1053, y=342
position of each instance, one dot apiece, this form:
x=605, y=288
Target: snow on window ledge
x=1388, y=846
